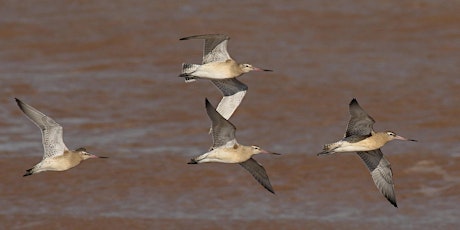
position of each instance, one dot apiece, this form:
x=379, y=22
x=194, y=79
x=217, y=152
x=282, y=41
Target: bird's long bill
x=94, y=156
x=259, y=69
x=403, y=138
x=265, y=151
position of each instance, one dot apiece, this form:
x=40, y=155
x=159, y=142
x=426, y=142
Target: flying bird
x=56, y=157
x=226, y=149
x=221, y=70
x=361, y=138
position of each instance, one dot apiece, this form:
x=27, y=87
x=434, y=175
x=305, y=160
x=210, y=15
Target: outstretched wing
x=381, y=173
x=215, y=47
x=360, y=123
x=53, y=143
x=223, y=132
x=258, y=172
x=233, y=92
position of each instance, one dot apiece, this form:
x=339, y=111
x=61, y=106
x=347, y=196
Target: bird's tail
x=192, y=161
x=187, y=69
x=329, y=148
x=29, y=172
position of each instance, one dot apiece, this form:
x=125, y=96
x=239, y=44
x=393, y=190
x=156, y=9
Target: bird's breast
x=228, y=155
x=218, y=70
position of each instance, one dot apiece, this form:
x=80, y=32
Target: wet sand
x=107, y=72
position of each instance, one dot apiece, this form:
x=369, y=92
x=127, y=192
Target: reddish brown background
x=107, y=72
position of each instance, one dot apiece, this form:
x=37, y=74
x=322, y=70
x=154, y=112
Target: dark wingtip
x=353, y=101
x=393, y=202
x=205, y=36
x=206, y=102
x=268, y=187
x=19, y=102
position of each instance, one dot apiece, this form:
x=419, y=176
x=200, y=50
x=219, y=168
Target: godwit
x=217, y=63
x=226, y=149
x=57, y=157
x=222, y=70
x=360, y=137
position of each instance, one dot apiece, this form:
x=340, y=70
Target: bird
x=56, y=157
x=221, y=70
x=217, y=63
x=361, y=138
x=226, y=149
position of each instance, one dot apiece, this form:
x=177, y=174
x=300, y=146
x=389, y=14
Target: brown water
x=107, y=72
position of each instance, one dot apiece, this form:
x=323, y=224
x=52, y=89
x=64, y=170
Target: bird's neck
x=73, y=156
x=246, y=151
x=379, y=139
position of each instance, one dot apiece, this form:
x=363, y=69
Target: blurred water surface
x=107, y=71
